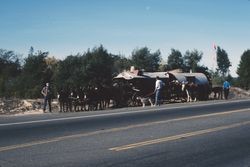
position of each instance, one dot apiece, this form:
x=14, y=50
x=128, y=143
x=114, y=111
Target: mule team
x=119, y=95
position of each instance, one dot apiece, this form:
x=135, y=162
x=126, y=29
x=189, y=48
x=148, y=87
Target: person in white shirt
x=158, y=89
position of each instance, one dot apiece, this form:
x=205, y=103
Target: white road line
x=62, y=138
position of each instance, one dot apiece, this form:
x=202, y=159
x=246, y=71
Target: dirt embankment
x=34, y=106
x=16, y=106
x=236, y=92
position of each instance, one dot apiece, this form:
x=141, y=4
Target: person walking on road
x=46, y=92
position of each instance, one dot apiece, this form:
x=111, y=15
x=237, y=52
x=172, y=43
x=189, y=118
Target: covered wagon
x=143, y=83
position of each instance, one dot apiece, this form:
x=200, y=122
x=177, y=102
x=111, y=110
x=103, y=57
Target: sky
x=65, y=27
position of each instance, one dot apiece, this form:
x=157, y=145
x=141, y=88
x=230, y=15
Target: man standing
x=158, y=88
x=46, y=92
x=226, y=87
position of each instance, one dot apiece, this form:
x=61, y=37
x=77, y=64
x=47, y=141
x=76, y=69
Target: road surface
x=213, y=133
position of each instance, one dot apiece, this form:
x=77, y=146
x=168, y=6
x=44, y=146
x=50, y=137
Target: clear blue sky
x=65, y=27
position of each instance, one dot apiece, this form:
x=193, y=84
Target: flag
x=215, y=47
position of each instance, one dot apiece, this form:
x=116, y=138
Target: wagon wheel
x=133, y=99
x=130, y=101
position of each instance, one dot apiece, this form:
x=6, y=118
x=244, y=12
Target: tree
x=70, y=72
x=121, y=63
x=10, y=68
x=163, y=66
x=33, y=75
x=143, y=59
x=31, y=51
x=95, y=67
x=191, y=59
x=175, y=60
x=217, y=80
x=223, y=62
x=244, y=70
x=98, y=66
x=50, y=71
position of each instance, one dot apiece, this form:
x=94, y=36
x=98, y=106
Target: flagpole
x=214, y=58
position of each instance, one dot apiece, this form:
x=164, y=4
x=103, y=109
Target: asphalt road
x=213, y=133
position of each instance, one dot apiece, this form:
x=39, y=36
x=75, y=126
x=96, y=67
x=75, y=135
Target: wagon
x=143, y=83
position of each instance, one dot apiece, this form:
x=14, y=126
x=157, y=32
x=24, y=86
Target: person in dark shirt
x=46, y=92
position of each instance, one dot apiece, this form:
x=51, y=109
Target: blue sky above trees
x=65, y=27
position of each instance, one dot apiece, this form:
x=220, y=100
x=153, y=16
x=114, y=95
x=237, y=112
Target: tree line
x=24, y=77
